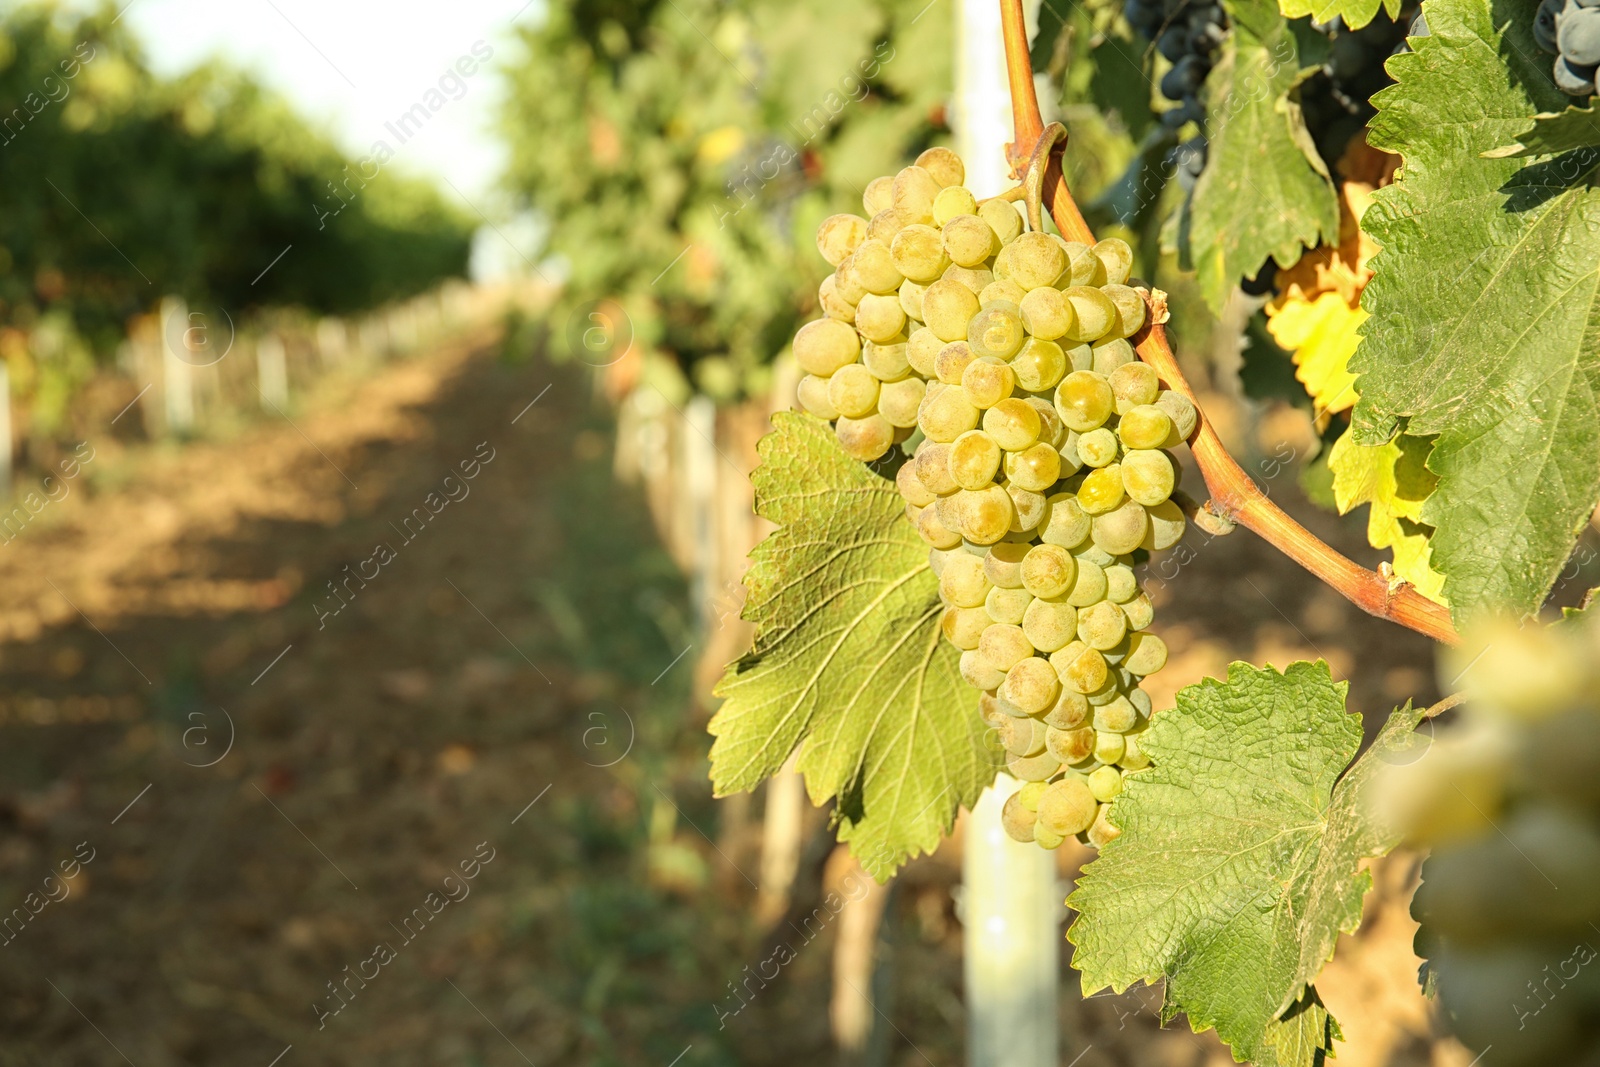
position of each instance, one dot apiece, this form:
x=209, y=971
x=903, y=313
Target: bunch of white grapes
x=999, y=361
x=1508, y=799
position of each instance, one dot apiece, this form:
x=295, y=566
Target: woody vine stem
x=1234, y=495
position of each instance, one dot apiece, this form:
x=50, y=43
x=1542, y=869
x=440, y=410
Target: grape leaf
x=1237, y=868
x=1485, y=325
x=1553, y=133
x=848, y=662
x=1322, y=334
x=1264, y=191
x=1355, y=13
x=1393, y=478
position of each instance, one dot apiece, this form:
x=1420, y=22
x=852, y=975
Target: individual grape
x=1108, y=747
x=1089, y=585
x=1004, y=646
x=912, y=513
x=1083, y=266
x=976, y=279
x=1145, y=426
x=1038, y=768
x=911, y=487
x=1133, y=754
x=932, y=462
x=1036, y=260
x=1081, y=668
x=823, y=346
x=1051, y=429
x=1578, y=35
x=883, y=226
x=1131, y=309
x=1147, y=654
x=873, y=266
x=986, y=515
x=1102, y=833
x=1121, y=583
x=1099, y=447
x=1101, y=490
x=1166, y=527
x=1013, y=424
x=833, y=305
x=1039, y=365
x=865, y=438
x=1181, y=412
x=1071, y=745
x=1122, y=529
x=1111, y=354
x=839, y=235
x=1071, y=462
x=853, y=391
x=1048, y=571
x=1031, y=685
x=1148, y=476
x=885, y=362
x=951, y=362
x=1067, y=807
x=1084, y=401
x=935, y=532
x=880, y=318
x=1017, y=820
x=1574, y=79
x=963, y=627
x=1116, y=715
x=1544, y=26
x=1003, y=564
x=879, y=195
x=847, y=281
x=1002, y=292
x=899, y=402
x=969, y=241
x=1093, y=554
x=1134, y=384
x=1102, y=626
x=996, y=331
x=947, y=307
x=812, y=392
x=914, y=193
x=1065, y=524
x=1047, y=838
x=1028, y=507
x=963, y=582
x=1035, y=468
x=918, y=253
x=1046, y=313
x=953, y=202
x=1093, y=310
x=974, y=460
x=1140, y=701
x=1069, y=712
x=1139, y=611
x=943, y=165
x=947, y=414
x=1002, y=218
x=1116, y=257
x=989, y=710
x=978, y=672
x=1007, y=605
x=910, y=294
x=988, y=381
x=1105, y=783
x=921, y=349
x=1049, y=624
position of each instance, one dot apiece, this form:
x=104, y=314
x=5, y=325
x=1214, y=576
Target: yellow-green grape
x=978, y=672
x=950, y=509
x=1047, y=838
x=911, y=487
x=1048, y=571
x=995, y=331
x=1101, y=490
x=1084, y=267
x=1035, y=468
x=963, y=582
x=921, y=349
x=1003, y=293
x=1094, y=312
x=1036, y=260
x=1018, y=821
x=1084, y=401
x=986, y=515
x=1052, y=431
x=954, y=201
x=1002, y=217
x=1049, y=624
x=969, y=241
x=943, y=165
x=1001, y=265
x=1111, y=353
x=833, y=305
x=853, y=391
x=1181, y=412
x=1046, y=313
x=873, y=265
x=1065, y=525
x=886, y=362
x=1013, y=424
x=1133, y=384
x=823, y=346
x=951, y=362
x=1117, y=259
x=1102, y=626
x=918, y=253
x=1130, y=309
x=1147, y=654
x=1102, y=833
x=1023, y=737
x=847, y=282
x=839, y=235
x=1007, y=605
x=1145, y=426
x=1039, y=365
x=1038, y=768
x=988, y=381
x=1082, y=669
x=935, y=532
x=947, y=307
x=974, y=460
x=1166, y=526
x=1067, y=807
x=911, y=299
x=1070, y=745
x=933, y=468
x=1148, y=476
x=1098, y=448
x=1031, y=686
x=1069, y=712
x=1108, y=747
x=1117, y=715
x=879, y=195
x=1139, y=611
x=1133, y=755
x=1071, y=462
x=974, y=278
x=914, y=192
x=1089, y=586
x=812, y=392
x=1105, y=783
x=1121, y=583
x=1029, y=508
x=947, y=414
x=900, y=401
x=1028, y=796
x=866, y=438
x=1004, y=645
x=936, y=558
x=1080, y=357
x=883, y=226
x=880, y=318
x=963, y=627
x=1122, y=529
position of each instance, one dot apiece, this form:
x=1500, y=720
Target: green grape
x=1007, y=605
x=969, y=241
x=954, y=201
x=914, y=193
x=1181, y=412
x=1101, y=490
x=1089, y=586
x=1047, y=838
x=986, y=515
x=918, y=253
x=1035, y=468
x=1108, y=747
x=975, y=279
x=1072, y=745
x=865, y=439
x=963, y=583
x=880, y=318
x=824, y=346
x=839, y=235
x=1145, y=426
x=989, y=710
x=1092, y=553
x=935, y=532
x=1131, y=309
x=1067, y=807
x=1116, y=258
x=1036, y=260
x=1084, y=401
x=1102, y=626
x=883, y=226
x=1147, y=654
x=812, y=392
x=974, y=460
x=933, y=468
x=1148, y=476
x=879, y=195
x=963, y=627
x=1049, y=624
x=1038, y=768
x=1071, y=462
x=1141, y=703
x=1094, y=311
x=1002, y=293
x=1039, y=365
x=979, y=672
x=1081, y=668
x=947, y=307
x=1166, y=526
x=1017, y=820
x=1098, y=447
x=936, y=558
x=1069, y=712
x=847, y=282
x=1121, y=583
x=1122, y=529
x=1046, y=313
x=1082, y=266
x=1002, y=218
x=873, y=266
x=853, y=391
x=1028, y=796
x=943, y=165
x=1134, y=384
x=1013, y=424
x=1102, y=833
x=834, y=305
x=921, y=349
x=886, y=362
x=1048, y=571
x=1028, y=508
x=1116, y=716
x=910, y=295
x=1065, y=525
x=988, y=381
x=1031, y=685
x=1105, y=783
x=1051, y=429
x=1003, y=564
x=947, y=414
x=911, y=487
x=1004, y=645
x=1133, y=756
x=1023, y=737
x=899, y=402
x=951, y=363
x=1111, y=355
x=996, y=331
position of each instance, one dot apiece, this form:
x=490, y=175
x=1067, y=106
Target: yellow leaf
x=1394, y=481
x=1322, y=334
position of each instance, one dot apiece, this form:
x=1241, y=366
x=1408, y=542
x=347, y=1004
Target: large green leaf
x=1484, y=324
x=1237, y=868
x=848, y=660
x=1554, y=133
x=1355, y=13
x=1265, y=191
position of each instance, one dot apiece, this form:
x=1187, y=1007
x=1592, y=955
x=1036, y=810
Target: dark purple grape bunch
x=1570, y=30
x=1186, y=33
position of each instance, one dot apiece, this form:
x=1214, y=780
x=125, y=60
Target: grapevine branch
x=1234, y=495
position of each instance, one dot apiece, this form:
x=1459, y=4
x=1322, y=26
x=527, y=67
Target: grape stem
x=1234, y=495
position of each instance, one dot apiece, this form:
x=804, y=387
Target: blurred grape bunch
x=1508, y=799
x=681, y=155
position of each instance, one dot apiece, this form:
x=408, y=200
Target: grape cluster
x=1508, y=799
x=1186, y=33
x=1570, y=31
x=1000, y=360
